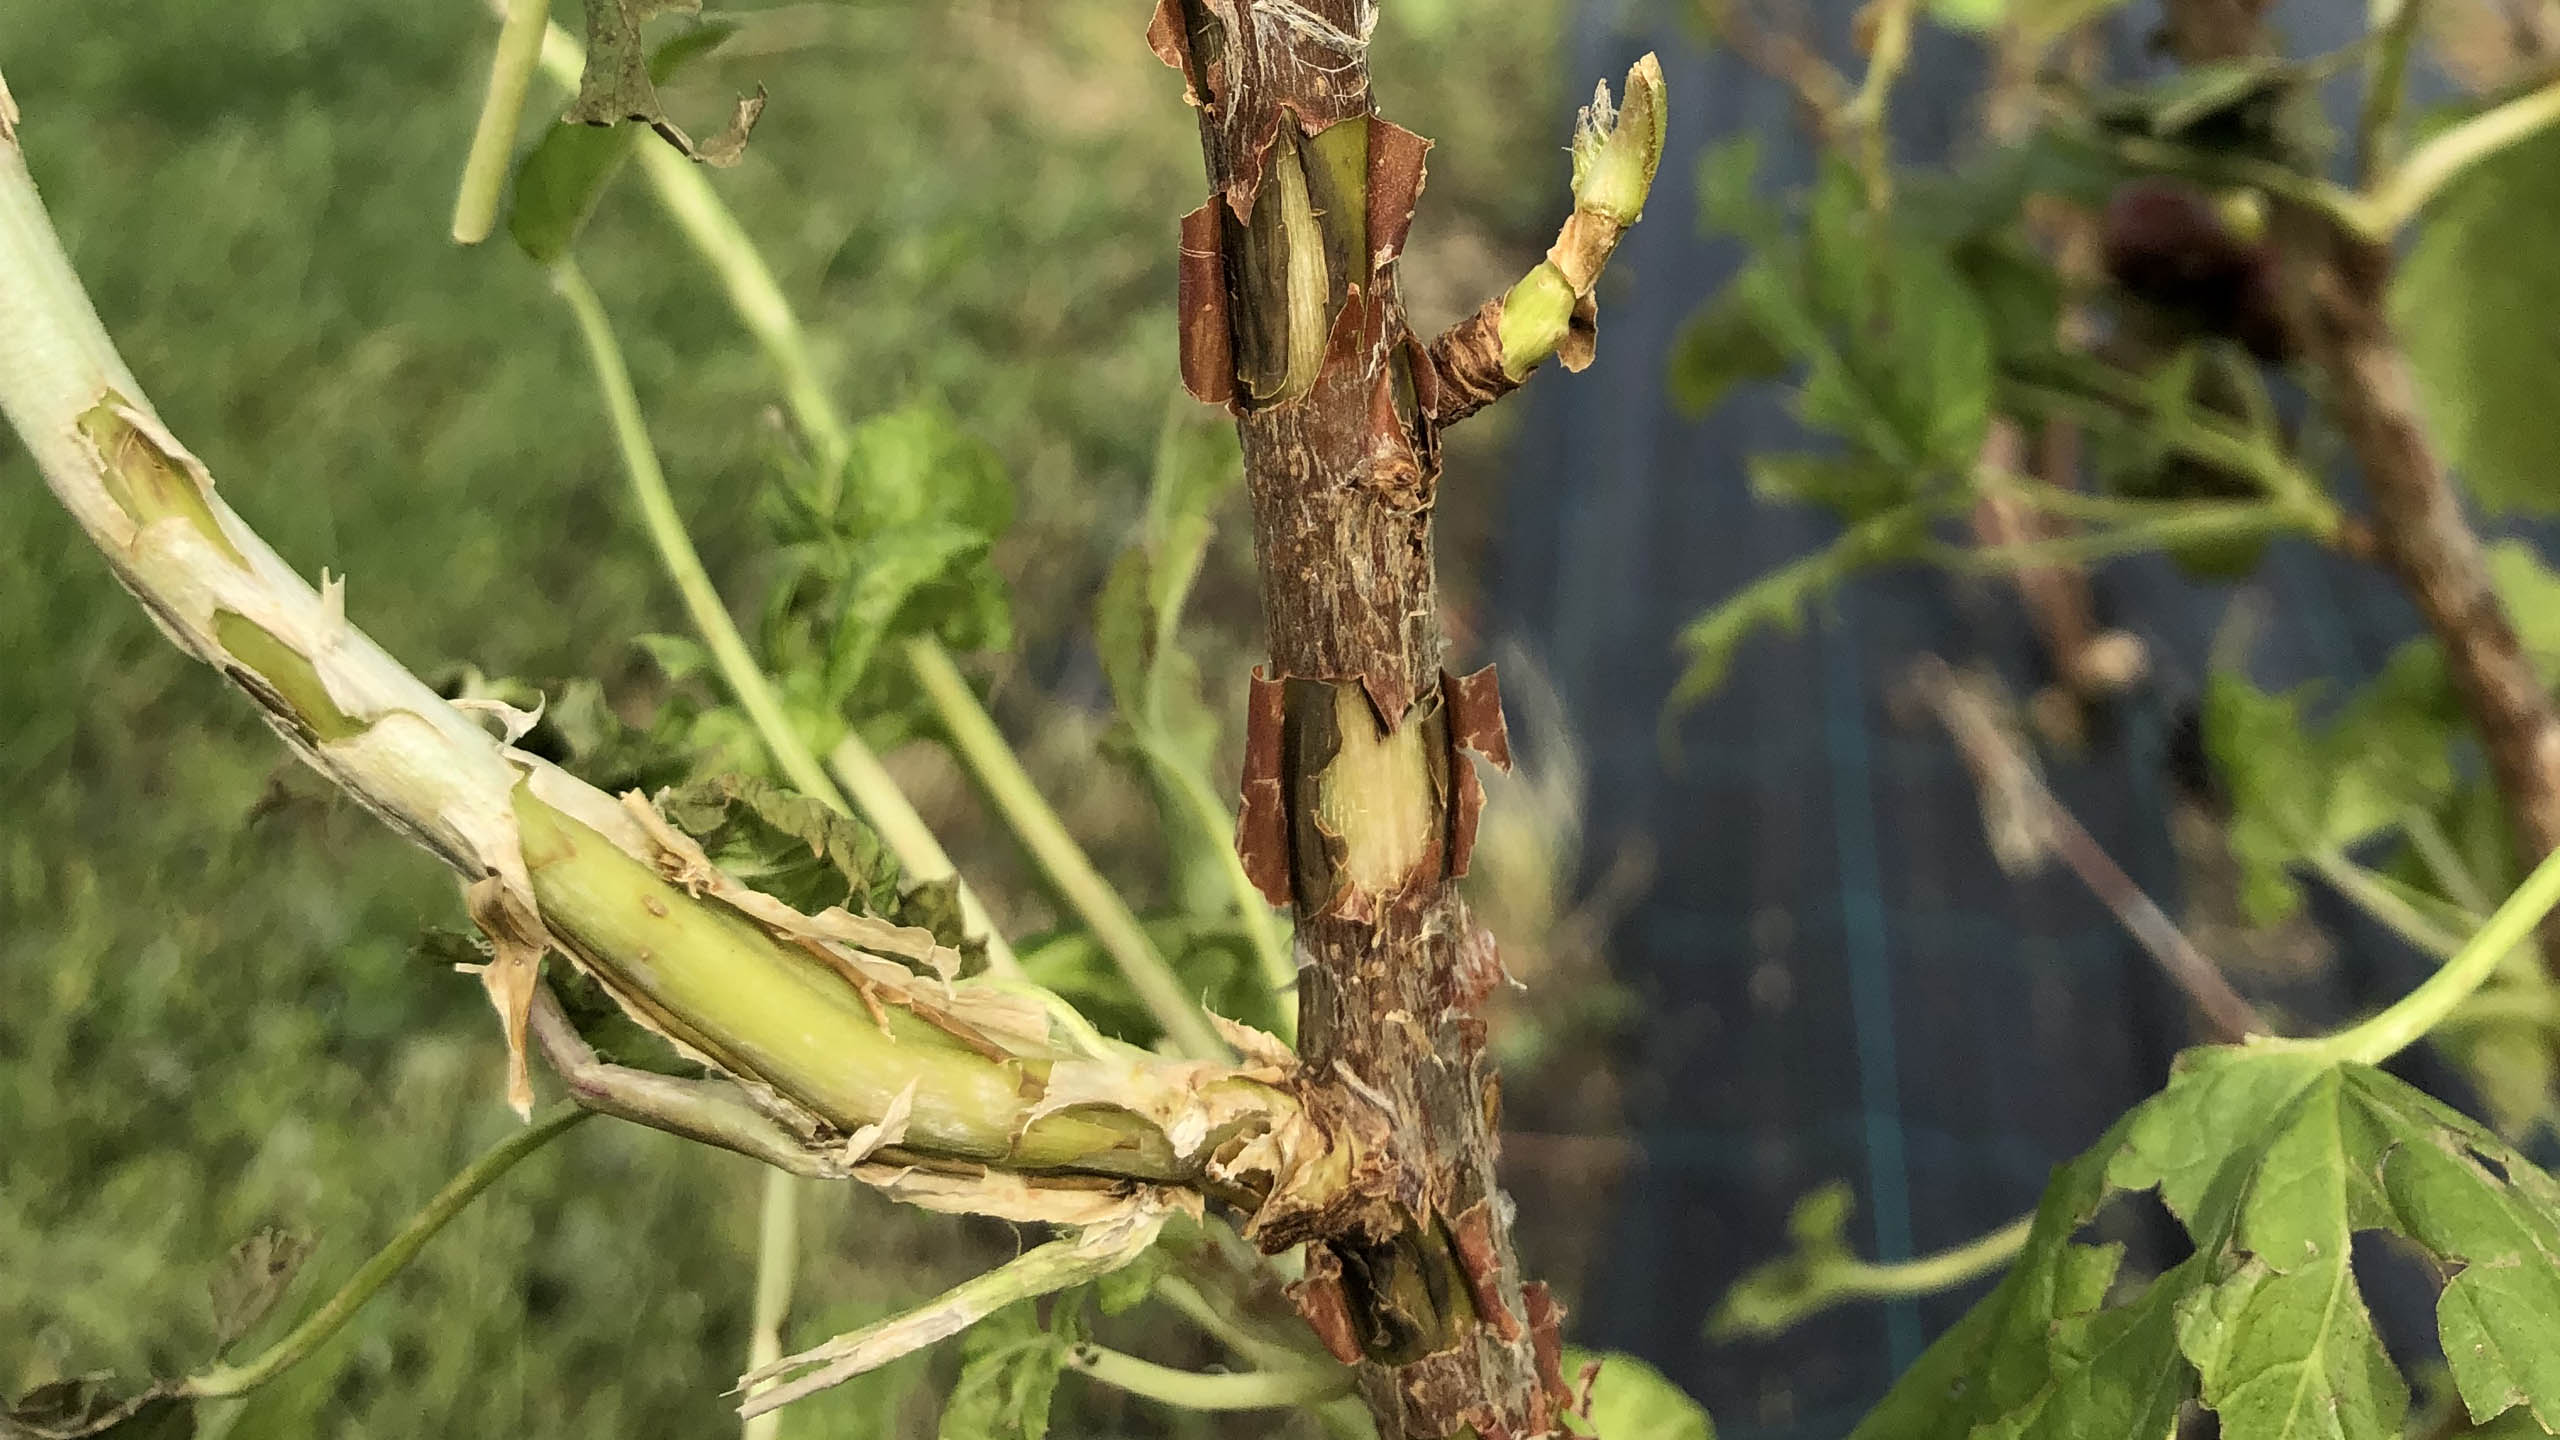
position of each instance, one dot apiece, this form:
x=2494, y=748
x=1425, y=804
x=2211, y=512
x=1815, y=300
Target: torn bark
x=1359, y=793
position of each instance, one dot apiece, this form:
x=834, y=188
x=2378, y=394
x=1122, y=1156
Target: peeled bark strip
x=2424, y=536
x=1359, y=792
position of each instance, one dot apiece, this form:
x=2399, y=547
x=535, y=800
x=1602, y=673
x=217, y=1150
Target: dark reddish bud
x=2167, y=246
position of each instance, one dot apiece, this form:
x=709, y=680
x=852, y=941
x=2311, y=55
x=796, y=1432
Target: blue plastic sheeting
x=1837, y=980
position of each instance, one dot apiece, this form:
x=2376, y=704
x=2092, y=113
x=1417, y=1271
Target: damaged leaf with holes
x=2272, y=1159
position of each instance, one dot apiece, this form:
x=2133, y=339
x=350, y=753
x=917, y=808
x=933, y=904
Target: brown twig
x=2019, y=805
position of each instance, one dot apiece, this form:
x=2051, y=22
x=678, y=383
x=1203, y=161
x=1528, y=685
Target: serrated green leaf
x=2457, y=302
x=2274, y=1159
x=2496, y=1317
x=1009, y=1372
x=785, y=844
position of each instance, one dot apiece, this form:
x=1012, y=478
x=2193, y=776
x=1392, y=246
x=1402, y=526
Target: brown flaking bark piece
x=1468, y=359
x=1262, y=816
x=1320, y=1298
x=1395, y=186
x=1208, y=340
x=1170, y=38
x=1475, y=728
x=1393, y=467
x=1481, y=1263
x=1475, y=715
x=1546, y=1341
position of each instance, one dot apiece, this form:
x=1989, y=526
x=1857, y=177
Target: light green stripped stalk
x=219, y=1381
x=493, y=140
x=1044, y=1270
x=1191, y=1390
x=982, y=747
x=2426, y=1007
x=777, y=1254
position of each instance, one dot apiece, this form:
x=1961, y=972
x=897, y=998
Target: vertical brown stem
x=1359, y=800
x=2424, y=536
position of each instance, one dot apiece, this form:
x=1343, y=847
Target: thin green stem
x=2424, y=1008
x=702, y=603
x=1271, y=951
x=777, y=1261
x=2386, y=84
x=2092, y=392
x=723, y=244
x=2378, y=898
x=224, y=1380
x=983, y=749
x=493, y=139
x=2437, y=851
x=1186, y=1298
x=2358, y=214
x=2438, y=162
x=1756, y=1308
x=1191, y=1390
x=2183, y=523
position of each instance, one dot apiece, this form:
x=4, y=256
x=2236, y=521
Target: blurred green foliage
x=218, y=1016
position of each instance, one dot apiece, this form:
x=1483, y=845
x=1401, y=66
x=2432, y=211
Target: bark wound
x=1360, y=795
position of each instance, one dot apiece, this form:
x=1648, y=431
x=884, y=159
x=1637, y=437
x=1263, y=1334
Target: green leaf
x=1728, y=180
x=559, y=183
x=1009, y=1370
x=2485, y=375
x=785, y=844
x=252, y=1279
x=1850, y=486
x=2297, y=790
x=1631, y=1400
x=1937, y=360
x=1718, y=348
x=2274, y=1159
x=1779, y=599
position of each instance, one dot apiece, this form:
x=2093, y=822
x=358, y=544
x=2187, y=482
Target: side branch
x=843, y=1034
x=2424, y=535
x=1551, y=311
